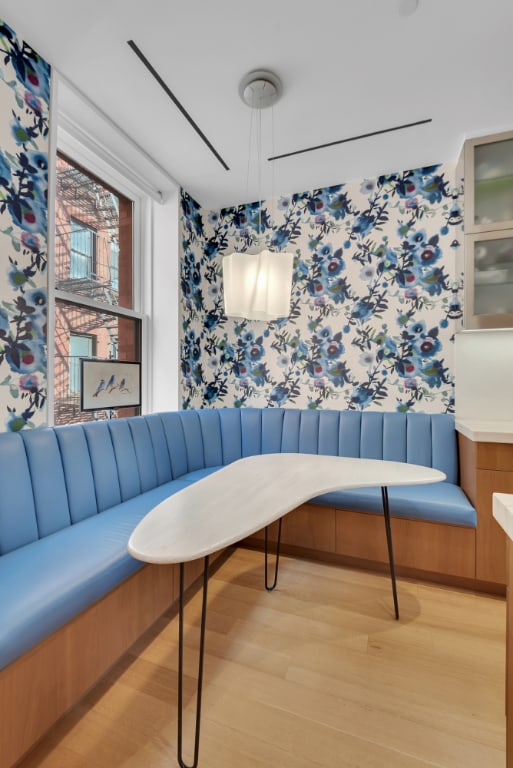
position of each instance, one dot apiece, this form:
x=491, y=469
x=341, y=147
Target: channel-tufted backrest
x=54, y=477
x=219, y=436
x=18, y=522
x=416, y=438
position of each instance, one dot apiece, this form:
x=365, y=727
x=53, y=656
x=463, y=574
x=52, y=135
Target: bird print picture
x=109, y=384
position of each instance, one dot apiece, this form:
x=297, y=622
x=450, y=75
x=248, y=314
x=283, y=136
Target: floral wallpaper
x=375, y=298
x=24, y=99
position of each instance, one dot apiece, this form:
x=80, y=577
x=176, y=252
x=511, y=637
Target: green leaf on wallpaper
x=5, y=381
x=16, y=245
x=19, y=100
x=14, y=392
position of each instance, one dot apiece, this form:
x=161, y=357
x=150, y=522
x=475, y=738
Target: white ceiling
x=348, y=67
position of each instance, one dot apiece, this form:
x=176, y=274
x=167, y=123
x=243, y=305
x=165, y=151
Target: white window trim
x=84, y=301
x=79, y=129
x=141, y=244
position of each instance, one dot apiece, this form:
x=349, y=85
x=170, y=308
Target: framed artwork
x=109, y=384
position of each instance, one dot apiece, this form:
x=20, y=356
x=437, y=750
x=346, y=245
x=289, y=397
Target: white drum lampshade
x=257, y=286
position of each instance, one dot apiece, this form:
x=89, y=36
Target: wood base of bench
x=39, y=687
x=437, y=552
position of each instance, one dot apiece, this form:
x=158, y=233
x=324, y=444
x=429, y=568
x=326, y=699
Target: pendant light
x=257, y=286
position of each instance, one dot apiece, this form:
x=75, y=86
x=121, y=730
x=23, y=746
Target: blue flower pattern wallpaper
x=375, y=298
x=25, y=100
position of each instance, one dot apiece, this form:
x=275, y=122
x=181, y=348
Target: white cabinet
x=488, y=231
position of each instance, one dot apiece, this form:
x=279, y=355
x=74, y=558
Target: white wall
x=484, y=375
x=164, y=331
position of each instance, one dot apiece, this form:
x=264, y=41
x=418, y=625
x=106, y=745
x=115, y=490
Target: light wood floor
x=317, y=673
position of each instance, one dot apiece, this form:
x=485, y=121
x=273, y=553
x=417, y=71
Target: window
x=79, y=346
x=94, y=296
x=82, y=251
x=114, y=265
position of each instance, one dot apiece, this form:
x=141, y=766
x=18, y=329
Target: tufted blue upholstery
x=18, y=522
x=70, y=496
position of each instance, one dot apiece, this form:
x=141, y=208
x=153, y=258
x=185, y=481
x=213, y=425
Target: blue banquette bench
x=71, y=495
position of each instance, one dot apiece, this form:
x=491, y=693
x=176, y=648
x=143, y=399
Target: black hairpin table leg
x=386, y=514
x=270, y=587
x=200, y=668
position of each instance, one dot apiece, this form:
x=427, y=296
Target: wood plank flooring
x=317, y=673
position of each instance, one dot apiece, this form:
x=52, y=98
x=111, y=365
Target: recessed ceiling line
x=351, y=138
x=151, y=69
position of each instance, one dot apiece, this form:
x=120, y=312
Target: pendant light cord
x=259, y=164
x=250, y=142
x=273, y=201
x=260, y=89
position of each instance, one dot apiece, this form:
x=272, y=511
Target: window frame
x=94, y=163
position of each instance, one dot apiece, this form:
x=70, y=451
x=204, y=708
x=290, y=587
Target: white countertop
x=486, y=431
x=245, y=496
x=503, y=511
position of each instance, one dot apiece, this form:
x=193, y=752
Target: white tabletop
x=248, y=494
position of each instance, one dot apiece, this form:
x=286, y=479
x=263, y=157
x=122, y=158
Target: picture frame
x=109, y=384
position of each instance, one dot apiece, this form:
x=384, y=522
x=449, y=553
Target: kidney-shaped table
x=242, y=498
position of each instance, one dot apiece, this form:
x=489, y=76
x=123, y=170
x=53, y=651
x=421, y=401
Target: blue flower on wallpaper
x=363, y=224
x=361, y=397
x=25, y=77
x=362, y=309
x=190, y=281
x=27, y=213
x=191, y=215
x=331, y=202
x=373, y=299
x=25, y=357
x=322, y=277
x=23, y=335
x=387, y=260
x=279, y=394
x=31, y=70
x=421, y=182
x=287, y=233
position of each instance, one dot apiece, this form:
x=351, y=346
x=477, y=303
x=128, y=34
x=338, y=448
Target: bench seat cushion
x=435, y=502
x=49, y=581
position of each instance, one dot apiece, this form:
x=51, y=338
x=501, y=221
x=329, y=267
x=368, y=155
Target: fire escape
x=98, y=208
x=81, y=198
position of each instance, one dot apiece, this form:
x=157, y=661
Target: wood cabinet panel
x=498, y=456
x=486, y=468
x=434, y=548
x=468, y=465
x=447, y=549
x=491, y=539
x=311, y=526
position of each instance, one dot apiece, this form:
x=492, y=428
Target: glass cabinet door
x=489, y=183
x=493, y=168
x=489, y=281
